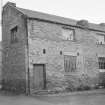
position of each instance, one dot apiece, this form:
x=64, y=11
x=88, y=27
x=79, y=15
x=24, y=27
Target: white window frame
x=68, y=34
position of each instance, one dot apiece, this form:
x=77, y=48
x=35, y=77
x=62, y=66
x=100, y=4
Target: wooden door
x=39, y=76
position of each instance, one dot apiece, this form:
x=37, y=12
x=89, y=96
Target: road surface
x=84, y=99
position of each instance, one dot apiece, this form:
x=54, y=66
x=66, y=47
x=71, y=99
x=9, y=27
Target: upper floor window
x=14, y=34
x=100, y=39
x=67, y=34
x=101, y=61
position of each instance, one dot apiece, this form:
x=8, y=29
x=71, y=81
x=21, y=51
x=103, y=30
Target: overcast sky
x=91, y=10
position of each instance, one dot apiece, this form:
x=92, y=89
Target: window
x=44, y=51
x=100, y=39
x=70, y=63
x=68, y=34
x=101, y=61
x=60, y=52
x=14, y=34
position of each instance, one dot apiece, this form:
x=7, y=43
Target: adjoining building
x=42, y=51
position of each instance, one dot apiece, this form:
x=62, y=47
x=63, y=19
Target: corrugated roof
x=57, y=19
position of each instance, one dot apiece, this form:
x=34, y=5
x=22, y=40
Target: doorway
x=39, y=76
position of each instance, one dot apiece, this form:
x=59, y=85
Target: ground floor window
x=101, y=61
x=70, y=63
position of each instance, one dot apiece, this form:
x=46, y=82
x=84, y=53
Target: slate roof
x=47, y=17
x=57, y=19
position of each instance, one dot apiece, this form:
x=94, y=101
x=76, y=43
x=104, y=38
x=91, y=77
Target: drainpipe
x=27, y=60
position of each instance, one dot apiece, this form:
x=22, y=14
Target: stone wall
x=14, y=66
x=46, y=35
x=0, y=62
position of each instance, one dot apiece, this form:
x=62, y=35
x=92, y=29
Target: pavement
x=97, y=98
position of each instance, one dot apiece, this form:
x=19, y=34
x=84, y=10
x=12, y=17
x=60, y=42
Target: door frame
x=44, y=74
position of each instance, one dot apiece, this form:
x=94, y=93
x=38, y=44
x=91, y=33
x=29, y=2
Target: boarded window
x=68, y=34
x=14, y=34
x=70, y=63
x=101, y=61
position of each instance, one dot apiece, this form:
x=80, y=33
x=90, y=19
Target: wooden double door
x=39, y=76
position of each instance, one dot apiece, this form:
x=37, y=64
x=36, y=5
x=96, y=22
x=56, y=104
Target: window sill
x=101, y=70
x=71, y=73
x=100, y=44
x=68, y=40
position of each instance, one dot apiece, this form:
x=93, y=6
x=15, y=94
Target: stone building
x=42, y=51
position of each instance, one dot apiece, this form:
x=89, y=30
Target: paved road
x=93, y=99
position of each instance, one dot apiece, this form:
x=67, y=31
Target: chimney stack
x=11, y=3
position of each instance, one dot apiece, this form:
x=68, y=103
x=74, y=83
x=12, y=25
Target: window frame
x=101, y=62
x=67, y=64
x=71, y=29
x=14, y=32
x=100, y=42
